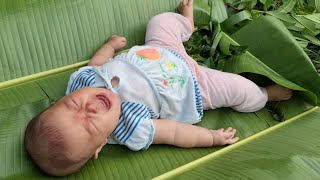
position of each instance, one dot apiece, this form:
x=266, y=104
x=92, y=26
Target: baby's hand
x=117, y=42
x=223, y=137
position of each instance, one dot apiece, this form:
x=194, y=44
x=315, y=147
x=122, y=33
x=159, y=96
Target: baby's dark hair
x=47, y=147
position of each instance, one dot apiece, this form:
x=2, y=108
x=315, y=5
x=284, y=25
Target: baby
x=150, y=95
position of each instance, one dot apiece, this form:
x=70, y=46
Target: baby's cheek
x=80, y=117
x=91, y=128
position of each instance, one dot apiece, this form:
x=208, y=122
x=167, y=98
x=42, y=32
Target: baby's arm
x=107, y=51
x=186, y=135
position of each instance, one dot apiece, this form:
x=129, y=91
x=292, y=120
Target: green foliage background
x=267, y=41
x=301, y=18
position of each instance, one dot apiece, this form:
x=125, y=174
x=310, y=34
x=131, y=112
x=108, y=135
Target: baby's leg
x=221, y=89
x=170, y=30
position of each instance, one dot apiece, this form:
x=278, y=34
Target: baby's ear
x=96, y=153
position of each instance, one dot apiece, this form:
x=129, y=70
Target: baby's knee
x=249, y=107
x=247, y=96
x=250, y=99
x=163, y=17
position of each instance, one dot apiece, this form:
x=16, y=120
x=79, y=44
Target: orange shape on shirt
x=150, y=53
x=165, y=83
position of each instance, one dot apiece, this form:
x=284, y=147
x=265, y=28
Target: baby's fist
x=117, y=42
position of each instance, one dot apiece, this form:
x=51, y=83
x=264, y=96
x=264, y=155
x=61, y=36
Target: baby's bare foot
x=278, y=93
x=117, y=42
x=186, y=10
x=223, y=137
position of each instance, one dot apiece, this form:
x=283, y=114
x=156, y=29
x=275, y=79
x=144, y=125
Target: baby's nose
x=92, y=108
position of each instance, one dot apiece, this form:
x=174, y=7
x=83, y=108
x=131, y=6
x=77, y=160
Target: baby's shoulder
x=133, y=109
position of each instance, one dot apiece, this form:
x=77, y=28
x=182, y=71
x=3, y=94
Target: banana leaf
x=270, y=42
x=36, y=36
x=289, y=150
x=263, y=57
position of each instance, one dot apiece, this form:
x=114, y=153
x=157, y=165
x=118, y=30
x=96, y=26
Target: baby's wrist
x=212, y=137
x=110, y=46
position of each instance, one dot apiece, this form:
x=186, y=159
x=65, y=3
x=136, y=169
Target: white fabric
x=177, y=98
x=152, y=85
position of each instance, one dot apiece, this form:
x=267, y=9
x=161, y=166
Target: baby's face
x=87, y=117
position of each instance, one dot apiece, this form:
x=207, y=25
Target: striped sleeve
x=85, y=76
x=135, y=128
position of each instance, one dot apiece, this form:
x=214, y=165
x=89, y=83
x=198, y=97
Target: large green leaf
x=246, y=62
x=284, y=110
x=49, y=85
x=40, y=35
x=270, y=42
x=13, y=121
x=286, y=151
x=18, y=95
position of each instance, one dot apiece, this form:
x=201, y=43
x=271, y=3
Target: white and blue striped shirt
x=135, y=127
x=140, y=106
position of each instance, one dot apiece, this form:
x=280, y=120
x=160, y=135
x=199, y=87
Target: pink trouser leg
x=218, y=89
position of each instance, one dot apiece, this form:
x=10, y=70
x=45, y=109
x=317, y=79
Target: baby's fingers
x=230, y=133
x=230, y=136
x=230, y=129
x=224, y=137
x=232, y=140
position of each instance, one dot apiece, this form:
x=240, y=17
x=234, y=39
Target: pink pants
x=218, y=89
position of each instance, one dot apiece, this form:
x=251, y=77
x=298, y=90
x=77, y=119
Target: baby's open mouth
x=104, y=101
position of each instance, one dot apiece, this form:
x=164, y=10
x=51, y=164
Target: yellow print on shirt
x=168, y=73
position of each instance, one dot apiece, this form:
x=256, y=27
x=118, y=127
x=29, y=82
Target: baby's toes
x=288, y=95
x=288, y=91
